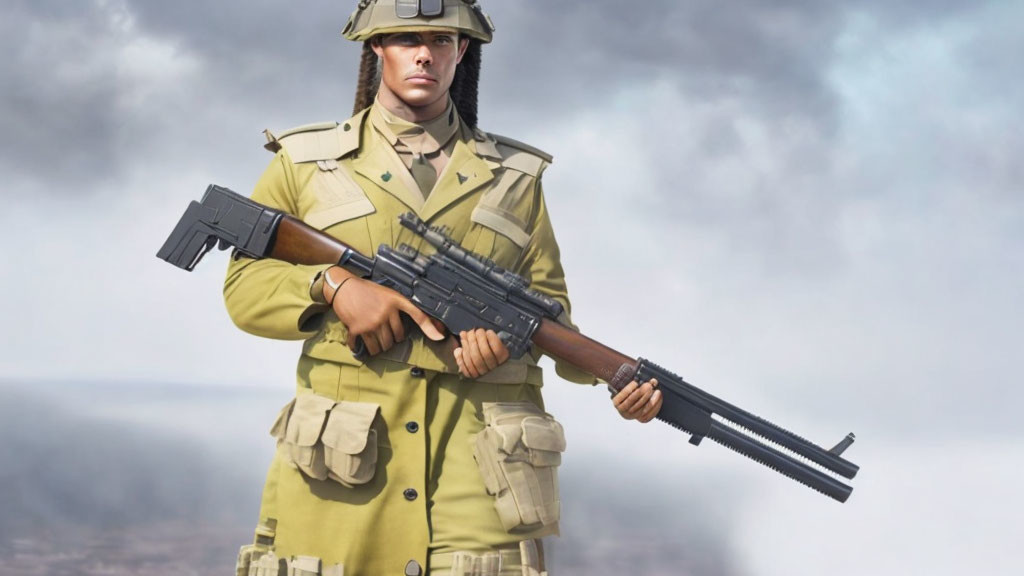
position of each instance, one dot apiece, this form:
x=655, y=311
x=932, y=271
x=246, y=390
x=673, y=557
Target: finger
x=458, y=360
x=626, y=407
x=647, y=392
x=656, y=401
x=486, y=353
x=637, y=399
x=386, y=338
x=499, y=348
x=472, y=355
x=652, y=408
x=370, y=340
x=397, y=327
x=623, y=394
x=422, y=319
x=642, y=407
x=476, y=354
x=467, y=368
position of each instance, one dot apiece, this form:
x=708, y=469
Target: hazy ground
x=115, y=479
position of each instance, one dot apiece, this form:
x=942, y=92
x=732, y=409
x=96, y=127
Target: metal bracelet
x=336, y=288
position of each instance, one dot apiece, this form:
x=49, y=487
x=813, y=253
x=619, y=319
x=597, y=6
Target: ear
x=378, y=49
x=463, y=44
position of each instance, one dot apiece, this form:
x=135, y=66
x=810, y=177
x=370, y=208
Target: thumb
x=458, y=357
x=424, y=321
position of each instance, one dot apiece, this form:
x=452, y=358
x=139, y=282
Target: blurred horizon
x=139, y=490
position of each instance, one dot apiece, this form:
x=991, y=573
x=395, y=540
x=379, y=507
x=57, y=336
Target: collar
x=422, y=138
x=465, y=172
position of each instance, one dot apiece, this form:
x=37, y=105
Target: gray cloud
x=56, y=106
x=265, y=53
x=115, y=85
x=770, y=55
x=98, y=89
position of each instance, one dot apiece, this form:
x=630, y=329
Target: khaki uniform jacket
x=346, y=180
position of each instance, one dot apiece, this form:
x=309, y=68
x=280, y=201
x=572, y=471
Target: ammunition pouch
x=329, y=440
x=518, y=453
x=257, y=560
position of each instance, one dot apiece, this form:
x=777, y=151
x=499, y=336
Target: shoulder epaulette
x=509, y=142
x=316, y=142
x=522, y=157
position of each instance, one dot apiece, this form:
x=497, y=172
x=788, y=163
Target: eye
x=406, y=39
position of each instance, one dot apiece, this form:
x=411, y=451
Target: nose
x=423, y=56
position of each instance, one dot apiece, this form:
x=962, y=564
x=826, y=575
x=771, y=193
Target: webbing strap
x=524, y=557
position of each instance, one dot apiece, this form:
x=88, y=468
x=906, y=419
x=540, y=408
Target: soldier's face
x=418, y=67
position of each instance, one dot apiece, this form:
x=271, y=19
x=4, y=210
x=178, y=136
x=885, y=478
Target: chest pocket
x=501, y=219
x=338, y=206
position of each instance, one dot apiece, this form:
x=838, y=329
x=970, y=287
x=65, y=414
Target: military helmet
x=373, y=17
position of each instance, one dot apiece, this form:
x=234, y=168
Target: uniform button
x=410, y=494
x=413, y=569
x=412, y=427
x=416, y=372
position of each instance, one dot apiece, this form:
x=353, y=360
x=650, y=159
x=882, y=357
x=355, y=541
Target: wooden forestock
x=580, y=351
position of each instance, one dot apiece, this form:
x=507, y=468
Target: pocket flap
x=277, y=430
x=349, y=426
x=543, y=434
x=509, y=435
x=338, y=197
x=502, y=222
x=307, y=419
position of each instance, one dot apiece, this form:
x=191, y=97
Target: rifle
x=466, y=291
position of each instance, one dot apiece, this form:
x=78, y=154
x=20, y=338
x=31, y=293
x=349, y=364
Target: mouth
x=421, y=78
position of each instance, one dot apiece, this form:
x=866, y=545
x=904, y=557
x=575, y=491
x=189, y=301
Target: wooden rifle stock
x=589, y=355
x=299, y=243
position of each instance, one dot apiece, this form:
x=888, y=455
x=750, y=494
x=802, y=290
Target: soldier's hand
x=639, y=402
x=372, y=312
x=481, y=351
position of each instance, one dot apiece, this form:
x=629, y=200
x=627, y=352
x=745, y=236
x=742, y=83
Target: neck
x=418, y=114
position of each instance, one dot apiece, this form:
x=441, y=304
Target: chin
x=420, y=98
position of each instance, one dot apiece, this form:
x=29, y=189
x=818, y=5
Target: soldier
x=435, y=456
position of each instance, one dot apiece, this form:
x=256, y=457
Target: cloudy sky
x=813, y=209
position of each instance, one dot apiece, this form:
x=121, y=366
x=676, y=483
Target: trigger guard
x=359, y=352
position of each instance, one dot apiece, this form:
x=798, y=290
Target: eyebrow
x=421, y=36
